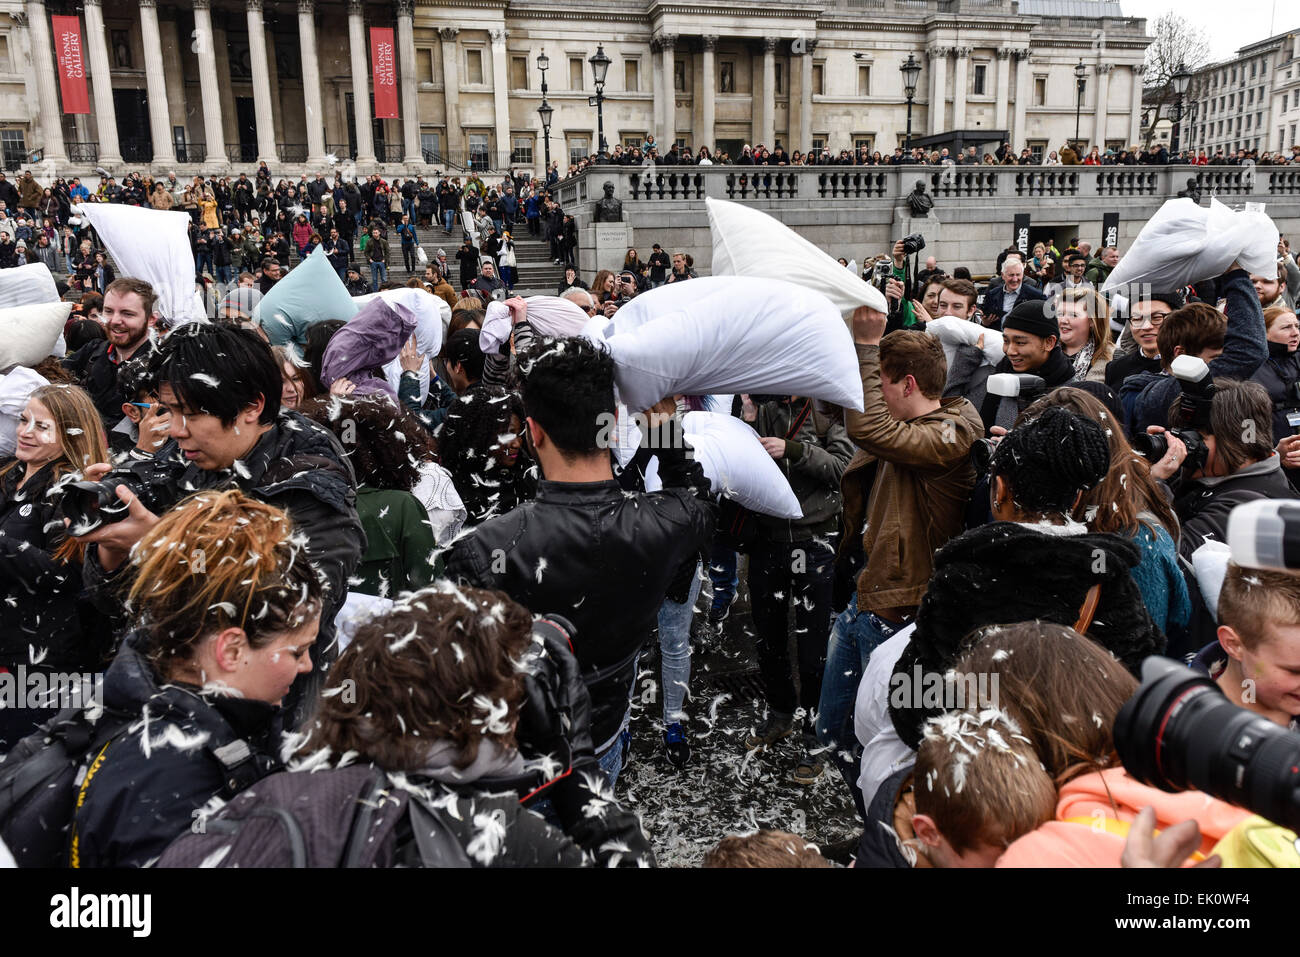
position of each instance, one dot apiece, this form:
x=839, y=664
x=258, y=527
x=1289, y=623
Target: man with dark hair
x=1073, y=264
x=464, y=360
x=659, y=266
x=270, y=274
x=128, y=315
x=488, y=284
x=908, y=482
x=1147, y=312
x=957, y=297
x=219, y=388
x=585, y=549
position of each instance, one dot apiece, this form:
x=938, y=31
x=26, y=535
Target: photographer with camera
x=221, y=387
x=898, y=285
x=1233, y=343
x=1217, y=454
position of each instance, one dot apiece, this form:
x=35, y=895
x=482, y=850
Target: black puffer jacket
x=296, y=465
x=42, y=606
x=142, y=789
x=1279, y=375
x=95, y=366
x=601, y=557
x=1005, y=573
x=1203, y=505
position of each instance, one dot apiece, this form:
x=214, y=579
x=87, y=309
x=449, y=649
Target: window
x=1040, y=91
x=862, y=142
x=5, y=65
x=579, y=146
x=423, y=65
x=1250, y=97
x=679, y=76
x=727, y=76
x=1036, y=149
x=819, y=142
x=632, y=76
x=981, y=78
x=818, y=87
x=1252, y=70
x=575, y=73
x=14, y=148
x=431, y=146
x=1293, y=140
x=633, y=140
x=521, y=151
x=1231, y=99
x=1247, y=121
x=680, y=143
x=474, y=67
x=780, y=79
x=864, y=81
x=479, y=151
x=519, y=74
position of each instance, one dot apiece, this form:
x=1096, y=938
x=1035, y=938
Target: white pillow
x=1184, y=243
x=952, y=332
x=16, y=387
x=726, y=334
x=432, y=316
x=749, y=242
x=26, y=285
x=738, y=466
x=28, y=333
x=153, y=245
x=548, y=315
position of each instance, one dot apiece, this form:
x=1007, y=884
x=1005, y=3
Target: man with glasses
x=1145, y=317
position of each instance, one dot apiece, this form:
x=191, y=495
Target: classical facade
x=1251, y=101
x=225, y=83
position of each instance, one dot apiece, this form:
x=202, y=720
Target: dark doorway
x=132, y=108
x=246, y=123
x=1060, y=235
x=730, y=147
x=376, y=126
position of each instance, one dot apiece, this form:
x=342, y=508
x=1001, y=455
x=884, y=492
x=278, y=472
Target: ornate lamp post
x=599, y=67
x=911, y=70
x=1181, y=79
x=1080, y=71
x=545, y=112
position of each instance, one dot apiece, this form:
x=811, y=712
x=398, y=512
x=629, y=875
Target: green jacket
x=399, y=543
x=815, y=458
x=1097, y=271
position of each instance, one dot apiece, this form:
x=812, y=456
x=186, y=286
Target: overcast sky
x=1229, y=25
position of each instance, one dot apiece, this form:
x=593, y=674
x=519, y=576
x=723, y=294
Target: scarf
x=1083, y=360
x=492, y=761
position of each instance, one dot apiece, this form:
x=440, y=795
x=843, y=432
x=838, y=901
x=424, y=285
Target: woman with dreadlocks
x=226, y=606
x=482, y=446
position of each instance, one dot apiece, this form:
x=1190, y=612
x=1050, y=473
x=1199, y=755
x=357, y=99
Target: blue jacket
x=1245, y=348
x=406, y=232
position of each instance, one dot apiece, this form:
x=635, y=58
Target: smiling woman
x=226, y=609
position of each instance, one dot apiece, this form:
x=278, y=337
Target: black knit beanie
x=1034, y=316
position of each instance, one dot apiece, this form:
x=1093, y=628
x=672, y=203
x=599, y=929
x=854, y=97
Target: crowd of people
x=196, y=515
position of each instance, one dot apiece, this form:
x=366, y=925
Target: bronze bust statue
x=919, y=201
x=609, y=209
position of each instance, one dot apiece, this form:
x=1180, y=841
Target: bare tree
x=1175, y=44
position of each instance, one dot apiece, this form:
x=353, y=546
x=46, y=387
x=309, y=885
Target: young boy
x=1256, y=662
x=977, y=787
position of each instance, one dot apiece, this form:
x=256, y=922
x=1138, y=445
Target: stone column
x=261, y=83
x=500, y=98
x=155, y=83
x=361, y=83
x=171, y=49
x=273, y=85
x=768, y=112
x=209, y=88
x=657, y=84
x=455, y=145
x=1135, y=107
x=46, y=77
x=708, y=107
x=410, y=92
x=805, y=95
x=313, y=110
x=101, y=84
x=1023, y=77
x=959, y=88
x=938, y=87
x=1002, y=81
x=668, y=137
x=1103, y=93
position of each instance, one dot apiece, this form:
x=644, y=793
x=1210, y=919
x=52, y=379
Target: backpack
x=39, y=778
x=346, y=817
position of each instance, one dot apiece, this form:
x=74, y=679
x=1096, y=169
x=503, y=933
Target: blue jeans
x=855, y=635
x=448, y=217
x=378, y=274
x=611, y=762
x=675, y=650
x=508, y=276
x=725, y=578
x=224, y=274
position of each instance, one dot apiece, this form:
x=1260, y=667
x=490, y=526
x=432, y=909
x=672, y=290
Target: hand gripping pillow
x=432, y=316
x=953, y=332
x=749, y=242
x=738, y=466
x=311, y=293
x=548, y=315
x=1184, y=243
x=726, y=334
x=370, y=340
x=28, y=333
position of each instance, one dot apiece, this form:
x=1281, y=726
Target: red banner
x=383, y=59
x=72, y=68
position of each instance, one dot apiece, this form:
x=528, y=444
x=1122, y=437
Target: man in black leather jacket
x=585, y=549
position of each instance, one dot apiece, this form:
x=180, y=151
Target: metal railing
x=137, y=150
x=342, y=151
x=241, y=152
x=80, y=152
x=192, y=153
x=390, y=152
x=291, y=152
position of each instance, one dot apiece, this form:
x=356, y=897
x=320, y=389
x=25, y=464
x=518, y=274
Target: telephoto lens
x=1180, y=733
x=1151, y=447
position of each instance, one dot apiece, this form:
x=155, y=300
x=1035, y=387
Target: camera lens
x=1179, y=732
x=1150, y=447
x=90, y=505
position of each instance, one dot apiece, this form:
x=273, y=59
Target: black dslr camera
x=913, y=244
x=90, y=505
x=1009, y=385
x=1194, y=377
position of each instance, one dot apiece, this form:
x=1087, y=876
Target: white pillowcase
x=953, y=332
x=16, y=387
x=749, y=242
x=26, y=285
x=28, y=333
x=726, y=334
x=738, y=466
x=432, y=316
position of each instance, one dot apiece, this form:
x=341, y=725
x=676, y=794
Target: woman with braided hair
x=481, y=444
x=1034, y=562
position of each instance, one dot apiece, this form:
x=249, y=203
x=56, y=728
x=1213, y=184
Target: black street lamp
x=1080, y=71
x=545, y=111
x=1181, y=80
x=911, y=70
x=599, y=67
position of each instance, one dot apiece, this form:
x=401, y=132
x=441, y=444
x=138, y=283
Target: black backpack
x=40, y=778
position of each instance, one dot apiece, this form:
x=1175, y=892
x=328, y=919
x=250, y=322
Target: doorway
x=246, y=124
x=132, y=109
